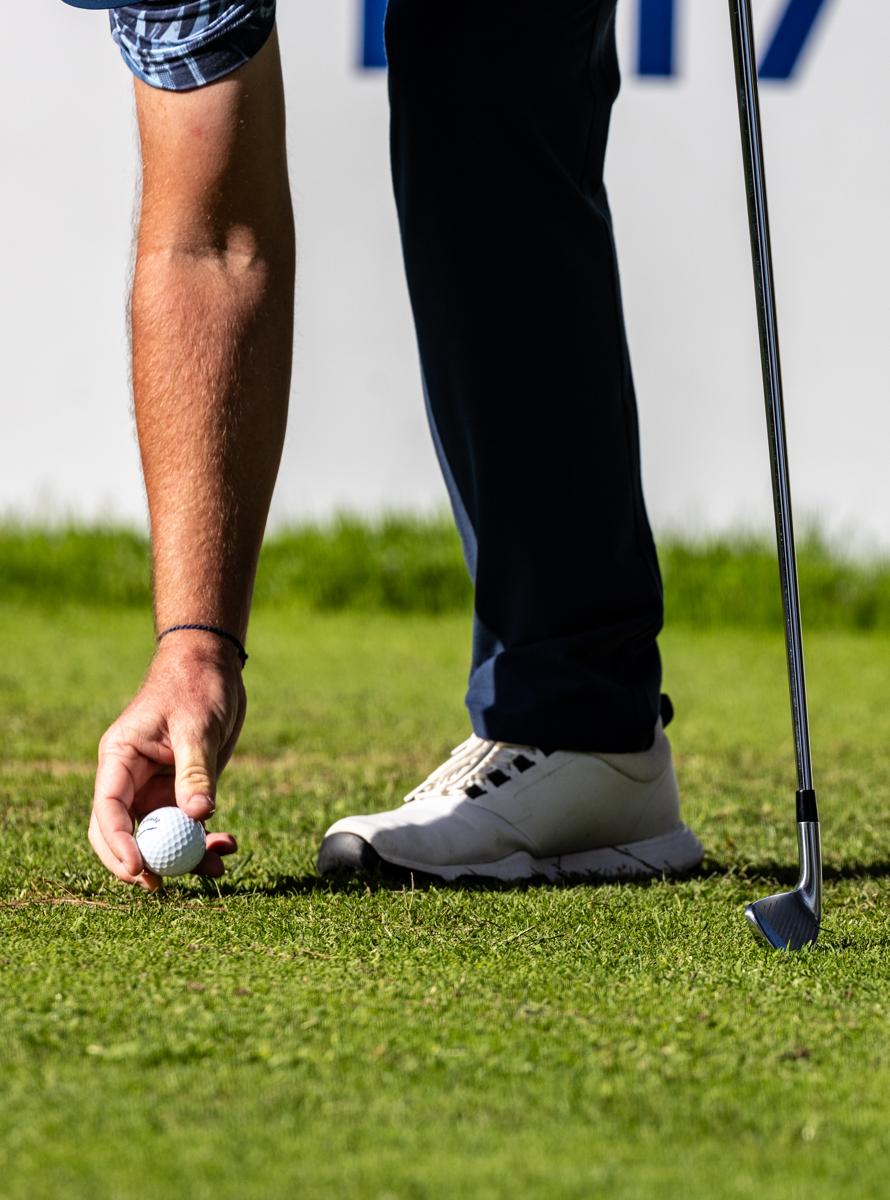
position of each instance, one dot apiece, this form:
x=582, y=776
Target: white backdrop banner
x=358, y=437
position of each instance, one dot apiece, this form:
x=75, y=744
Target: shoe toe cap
x=348, y=853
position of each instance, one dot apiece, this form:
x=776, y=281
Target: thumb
x=195, y=778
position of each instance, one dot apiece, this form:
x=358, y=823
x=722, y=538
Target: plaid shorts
x=183, y=46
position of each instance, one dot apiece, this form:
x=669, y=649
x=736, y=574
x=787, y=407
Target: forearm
x=212, y=320
x=211, y=369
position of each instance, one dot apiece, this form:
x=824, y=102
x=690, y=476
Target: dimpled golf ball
x=171, y=843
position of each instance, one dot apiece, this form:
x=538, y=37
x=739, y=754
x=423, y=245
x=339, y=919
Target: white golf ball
x=171, y=843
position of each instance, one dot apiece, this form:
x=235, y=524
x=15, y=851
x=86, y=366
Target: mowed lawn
x=277, y=1037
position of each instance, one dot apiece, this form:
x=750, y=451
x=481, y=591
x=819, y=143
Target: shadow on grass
x=768, y=876
x=767, y=873
x=302, y=885
x=786, y=874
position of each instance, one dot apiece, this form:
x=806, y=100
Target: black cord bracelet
x=222, y=633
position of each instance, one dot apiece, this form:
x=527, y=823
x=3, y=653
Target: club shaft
x=758, y=219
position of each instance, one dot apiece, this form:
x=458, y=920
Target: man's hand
x=169, y=747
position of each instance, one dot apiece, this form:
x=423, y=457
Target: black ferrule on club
x=806, y=805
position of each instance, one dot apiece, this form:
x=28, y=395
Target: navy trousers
x=500, y=117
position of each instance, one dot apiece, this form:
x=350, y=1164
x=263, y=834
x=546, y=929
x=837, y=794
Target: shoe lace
x=474, y=766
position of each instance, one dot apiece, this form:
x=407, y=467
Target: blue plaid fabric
x=183, y=46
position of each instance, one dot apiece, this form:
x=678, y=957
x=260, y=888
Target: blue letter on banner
x=655, y=52
x=656, y=48
x=790, y=38
x=373, y=50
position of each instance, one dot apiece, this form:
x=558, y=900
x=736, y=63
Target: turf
x=408, y=564
x=278, y=1037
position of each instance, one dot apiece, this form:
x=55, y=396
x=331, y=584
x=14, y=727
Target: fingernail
x=204, y=800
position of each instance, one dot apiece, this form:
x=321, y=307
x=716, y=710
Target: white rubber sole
x=674, y=853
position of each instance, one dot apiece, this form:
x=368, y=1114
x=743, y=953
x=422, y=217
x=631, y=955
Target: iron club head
x=790, y=920
x=784, y=921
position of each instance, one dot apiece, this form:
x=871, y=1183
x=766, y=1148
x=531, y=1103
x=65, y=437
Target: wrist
x=205, y=646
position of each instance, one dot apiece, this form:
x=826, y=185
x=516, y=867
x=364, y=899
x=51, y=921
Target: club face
x=784, y=921
x=790, y=920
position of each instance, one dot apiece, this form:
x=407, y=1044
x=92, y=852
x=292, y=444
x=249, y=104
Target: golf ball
x=171, y=843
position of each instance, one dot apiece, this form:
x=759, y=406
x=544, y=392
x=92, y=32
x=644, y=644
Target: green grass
x=405, y=564
x=277, y=1037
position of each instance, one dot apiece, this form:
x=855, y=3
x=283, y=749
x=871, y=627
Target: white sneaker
x=513, y=812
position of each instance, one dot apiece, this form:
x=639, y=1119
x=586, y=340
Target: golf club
x=788, y=920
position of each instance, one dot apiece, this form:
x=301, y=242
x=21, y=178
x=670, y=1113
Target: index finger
x=117, y=781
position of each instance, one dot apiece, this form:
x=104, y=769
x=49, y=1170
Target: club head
x=784, y=921
x=790, y=920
